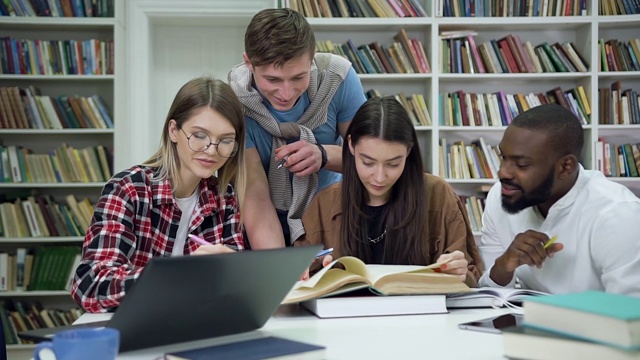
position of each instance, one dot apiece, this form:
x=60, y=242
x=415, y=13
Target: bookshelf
x=189, y=28
x=584, y=31
x=44, y=140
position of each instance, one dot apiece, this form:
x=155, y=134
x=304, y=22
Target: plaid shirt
x=136, y=219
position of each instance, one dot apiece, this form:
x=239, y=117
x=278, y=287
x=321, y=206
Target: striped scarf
x=327, y=73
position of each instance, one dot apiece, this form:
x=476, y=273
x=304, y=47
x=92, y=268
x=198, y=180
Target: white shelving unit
x=42, y=141
x=584, y=31
x=211, y=41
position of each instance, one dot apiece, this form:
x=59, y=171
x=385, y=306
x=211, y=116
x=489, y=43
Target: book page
x=509, y=294
x=406, y=280
x=491, y=297
x=376, y=272
x=329, y=280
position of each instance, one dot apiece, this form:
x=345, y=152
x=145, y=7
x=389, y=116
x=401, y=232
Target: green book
x=557, y=64
x=607, y=318
x=521, y=342
x=628, y=152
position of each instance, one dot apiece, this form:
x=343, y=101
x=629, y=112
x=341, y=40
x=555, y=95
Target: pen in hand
x=551, y=241
x=324, y=253
x=284, y=160
x=198, y=239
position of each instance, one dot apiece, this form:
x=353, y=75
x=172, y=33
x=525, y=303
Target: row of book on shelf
x=476, y=160
x=404, y=56
x=460, y=108
x=415, y=105
x=475, y=208
x=617, y=160
x=509, y=54
x=589, y=325
x=56, y=57
x=616, y=55
x=18, y=316
x=64, y=164
x=510, y=8
x=57, y=8
x=43, y=216
x=45, y=268
x=618, y=7
x=356, y=8
x=28, y=109
x=618, y=106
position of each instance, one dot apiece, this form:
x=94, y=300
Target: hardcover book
x=370, y=305
x=521, y=342
x=349, y=273
x=255, y=349
x=607, y=318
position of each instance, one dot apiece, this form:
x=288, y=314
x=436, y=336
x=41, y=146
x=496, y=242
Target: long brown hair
x=192, y=96
x=385, y=119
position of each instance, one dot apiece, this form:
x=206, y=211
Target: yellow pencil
x=551, y=241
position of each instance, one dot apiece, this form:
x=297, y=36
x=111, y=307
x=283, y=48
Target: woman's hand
x=212, y=249
x=325, y=261
x=456, y=264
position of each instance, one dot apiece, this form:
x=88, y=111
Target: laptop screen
x=186, y=298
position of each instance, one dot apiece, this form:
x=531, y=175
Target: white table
x=386, y=337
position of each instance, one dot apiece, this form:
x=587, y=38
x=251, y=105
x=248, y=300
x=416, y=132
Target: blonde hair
x=192, y=96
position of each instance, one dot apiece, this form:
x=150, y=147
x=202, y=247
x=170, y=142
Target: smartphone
x=493, y=324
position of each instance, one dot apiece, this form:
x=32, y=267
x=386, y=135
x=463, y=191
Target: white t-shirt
x=186, y=205
x=597, y=221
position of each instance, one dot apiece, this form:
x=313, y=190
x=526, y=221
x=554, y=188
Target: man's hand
x=456, y=264
x=526, y=249
x=325, y=261
x=212, y=249
x=302, y=157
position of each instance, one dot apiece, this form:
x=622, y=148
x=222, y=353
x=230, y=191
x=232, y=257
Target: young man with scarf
x=298, y=105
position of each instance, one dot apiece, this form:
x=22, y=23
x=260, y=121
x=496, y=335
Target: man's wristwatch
x=324, y=155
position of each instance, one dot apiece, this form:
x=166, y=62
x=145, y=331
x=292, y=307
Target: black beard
x=536, y=196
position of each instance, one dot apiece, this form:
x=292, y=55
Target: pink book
x=396, y=8
x=420, y=55
x=525, y=56
x=476, y=54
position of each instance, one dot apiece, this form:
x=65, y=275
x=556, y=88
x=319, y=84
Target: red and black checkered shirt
x=136, y=219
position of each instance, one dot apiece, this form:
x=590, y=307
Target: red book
x=517, y=57
x=508, y=56
x=463, y=108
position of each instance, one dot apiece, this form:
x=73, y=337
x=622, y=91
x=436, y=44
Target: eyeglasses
x=199, y=141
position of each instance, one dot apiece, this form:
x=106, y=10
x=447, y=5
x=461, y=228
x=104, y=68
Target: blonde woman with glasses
x=184, y=200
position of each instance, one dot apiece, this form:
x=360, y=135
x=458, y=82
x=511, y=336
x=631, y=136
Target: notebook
x=254, y=349
x=185, y=298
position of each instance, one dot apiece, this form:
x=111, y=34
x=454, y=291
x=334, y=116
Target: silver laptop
x=186, y=298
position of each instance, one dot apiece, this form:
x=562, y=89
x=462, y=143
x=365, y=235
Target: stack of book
x=353, y=288
x=415, y=104
x=586, y=325
x=27, y=108
x=18, y=316
x=617, y=160
x=508, y=54
x=356, y=8
x=404, y=56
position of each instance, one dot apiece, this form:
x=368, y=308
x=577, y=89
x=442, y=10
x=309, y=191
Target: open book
x=491, y=297
x=380, y=279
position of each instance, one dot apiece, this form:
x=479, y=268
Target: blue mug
x=80, y=344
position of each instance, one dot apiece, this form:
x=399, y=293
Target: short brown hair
x=275, y=36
